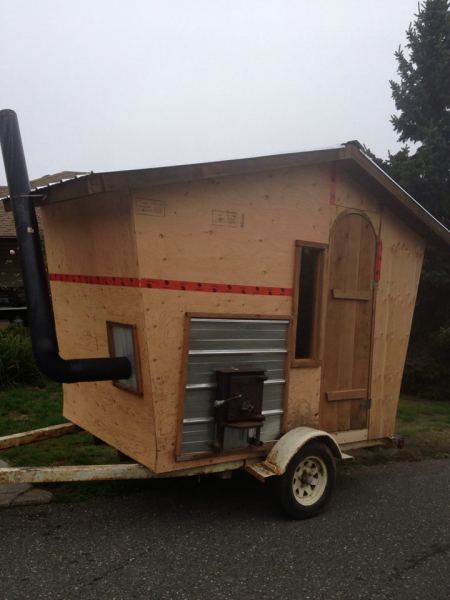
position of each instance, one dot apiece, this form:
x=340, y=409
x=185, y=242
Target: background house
x=11, y=289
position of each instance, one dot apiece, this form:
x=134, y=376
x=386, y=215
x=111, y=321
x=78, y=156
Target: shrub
x=427, y=369
x=17, y=364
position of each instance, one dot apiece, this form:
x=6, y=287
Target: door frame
x=364, y=433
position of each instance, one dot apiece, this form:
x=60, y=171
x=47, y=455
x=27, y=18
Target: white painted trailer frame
x=274, y=464
x=302, y=461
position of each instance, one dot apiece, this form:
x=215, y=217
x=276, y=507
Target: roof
x=350, y=156
x=7, y=228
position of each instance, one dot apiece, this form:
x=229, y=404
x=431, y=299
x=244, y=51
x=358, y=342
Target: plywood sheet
x=120, y=418
x=98, y=239
x=396, y=296
x=91, y=238
x=165, y=317
x=350, y=194
x=303, y=398
x=239, y=230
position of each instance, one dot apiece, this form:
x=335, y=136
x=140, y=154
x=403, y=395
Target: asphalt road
x=386, y=534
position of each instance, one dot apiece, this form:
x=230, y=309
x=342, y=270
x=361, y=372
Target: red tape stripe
x=170, y=284
x=333, y=185
x=378, y=260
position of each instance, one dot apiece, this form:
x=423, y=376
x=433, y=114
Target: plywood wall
x=238, y=231
x=85, y=237
x=396, y=295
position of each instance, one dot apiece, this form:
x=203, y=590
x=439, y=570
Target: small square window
x=122, y=341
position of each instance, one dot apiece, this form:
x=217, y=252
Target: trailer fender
x=287, y=446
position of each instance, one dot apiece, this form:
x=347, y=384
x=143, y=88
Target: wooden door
x=344, y=400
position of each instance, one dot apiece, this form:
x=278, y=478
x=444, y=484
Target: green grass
x=416, y=417
x=25, y=408
x=425, y=425
x=30, y=407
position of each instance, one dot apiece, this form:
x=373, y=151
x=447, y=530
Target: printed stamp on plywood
x=150, y=207
x=227, y=218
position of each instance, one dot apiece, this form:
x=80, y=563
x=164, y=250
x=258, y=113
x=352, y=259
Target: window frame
x=315, y=359
x=137, y=362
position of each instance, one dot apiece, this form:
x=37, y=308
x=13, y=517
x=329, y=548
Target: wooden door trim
x=347, y=213
x=356, y=394
x=362, y=295
x=374, y=306
x=315, y=360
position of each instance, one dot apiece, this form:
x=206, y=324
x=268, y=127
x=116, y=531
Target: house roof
x=350, y=156
x=7, y=228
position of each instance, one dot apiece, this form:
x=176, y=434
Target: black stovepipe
x=40, y=310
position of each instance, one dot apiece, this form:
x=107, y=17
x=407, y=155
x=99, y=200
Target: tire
x=308, y=482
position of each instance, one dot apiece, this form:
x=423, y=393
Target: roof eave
x=350, y=155
x=115, y=181
x=421, y=220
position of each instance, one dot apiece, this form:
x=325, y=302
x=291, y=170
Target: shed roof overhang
x=350, y=156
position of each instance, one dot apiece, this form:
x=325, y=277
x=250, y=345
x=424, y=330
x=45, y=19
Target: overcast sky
x=105, y=85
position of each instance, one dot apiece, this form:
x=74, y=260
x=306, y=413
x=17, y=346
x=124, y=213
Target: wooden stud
x=182, y=387
x=37, y=435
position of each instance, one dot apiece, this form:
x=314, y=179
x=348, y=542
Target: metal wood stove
x=238, y=405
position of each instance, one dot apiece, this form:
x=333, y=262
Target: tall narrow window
x=308, y=292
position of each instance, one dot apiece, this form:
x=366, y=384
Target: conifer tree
x=422, y=99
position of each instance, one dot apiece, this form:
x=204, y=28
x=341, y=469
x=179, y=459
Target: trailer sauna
x=264, y=304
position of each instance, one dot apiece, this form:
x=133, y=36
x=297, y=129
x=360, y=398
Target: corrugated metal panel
x=224, y=343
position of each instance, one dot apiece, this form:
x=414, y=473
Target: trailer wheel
x=307, y=484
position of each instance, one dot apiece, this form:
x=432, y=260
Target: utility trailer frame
x=130, y=471
x=301, y=457
x=111, y=472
